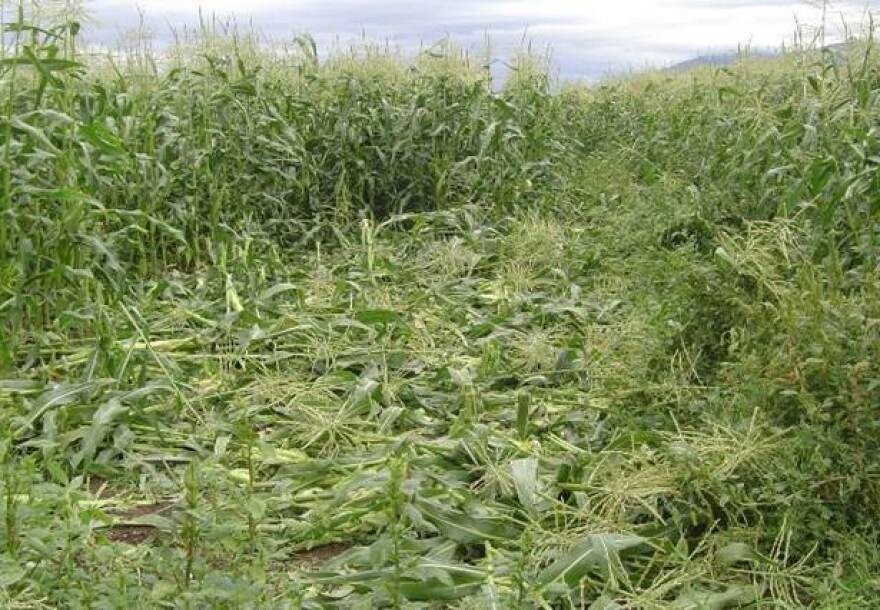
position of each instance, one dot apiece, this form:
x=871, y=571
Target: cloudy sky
x=587, y=38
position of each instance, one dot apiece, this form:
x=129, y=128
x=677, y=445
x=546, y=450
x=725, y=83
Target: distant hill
x=719, y=59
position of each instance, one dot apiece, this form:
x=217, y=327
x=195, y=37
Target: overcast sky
x=587, y=38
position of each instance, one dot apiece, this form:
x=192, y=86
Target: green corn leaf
x=593, y=552
x=101, y=422
x=377, y=316
x=60, y=395
x=525, y=480
x=464, y=528
x=700, y=599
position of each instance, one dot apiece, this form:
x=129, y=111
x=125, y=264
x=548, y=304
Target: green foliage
x=279, y=331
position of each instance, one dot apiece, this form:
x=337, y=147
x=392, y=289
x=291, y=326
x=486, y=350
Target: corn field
x=287, y=330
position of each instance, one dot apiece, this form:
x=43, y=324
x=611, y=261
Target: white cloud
x=588, y=37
